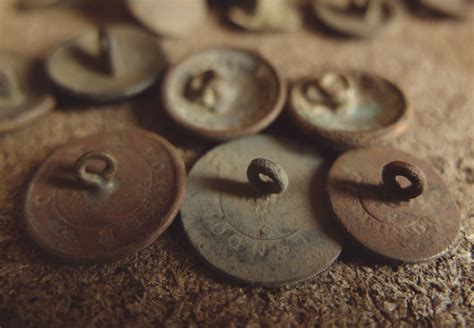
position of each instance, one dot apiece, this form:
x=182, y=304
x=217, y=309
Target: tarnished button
x=175, y=18
x=23, y=94
x=346, y=109
x=105, y=196
x=360, y=18
x=266, y=15
x=224, y=93
x=393, y=204
x=255, y=211
x=453, y=8
x=106, y=64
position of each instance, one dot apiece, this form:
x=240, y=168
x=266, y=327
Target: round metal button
x=359, y=18
x=347, y=109
x=23, y=94
x=175, y=18
x=224, y=93
x=106, y=64
x=105, y=196
x=255, y=211
x=393, y=204
x=266, y=15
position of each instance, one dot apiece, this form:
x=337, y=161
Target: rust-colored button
x=106, y=64
x=359, y=18
x=395, y=205
x=255, y=210
x=175, y=18
x=347, y=109
x=452, y=8
x=224, y=93
x=105, y=196
x=23, y=94
x=266, y=15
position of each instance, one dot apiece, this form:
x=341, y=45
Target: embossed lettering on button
x=393, y=204
x=105, y=196
x=255, y=211
x=106, y=64
x=176, y=18
x=23, y=94
x=347, y=109
x=360, y=18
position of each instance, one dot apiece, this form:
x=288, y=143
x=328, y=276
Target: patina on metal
x=451, y=8
x=223, y=93
x=109, y=63
x=266, y=15
x=347, y=109
x=176, y=18
x=255, y=210
x=105, y=196
x=359, y=18
x=393, y=204
x=23, y=94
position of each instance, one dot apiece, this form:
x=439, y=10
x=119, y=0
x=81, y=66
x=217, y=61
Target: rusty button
x=224, y=93
x=266, y=15
x=106, y=64
x=255, y=211
x=176, y=18
x=105, y=196
x=23, y=94
x=395, y=205
x=359, y=18
x=347, y=109
x=451, y=8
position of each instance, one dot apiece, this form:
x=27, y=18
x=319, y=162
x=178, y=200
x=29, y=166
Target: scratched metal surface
x=433, y=62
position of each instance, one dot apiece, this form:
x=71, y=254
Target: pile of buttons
x=263, y=209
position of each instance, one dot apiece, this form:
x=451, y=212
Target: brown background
x=432, y=61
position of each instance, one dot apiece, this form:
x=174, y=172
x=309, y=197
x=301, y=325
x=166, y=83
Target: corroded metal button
x=266, y=15
x=175, y=18
x=360, y=18
x=346, y=109
x=453, y=8
x=23, y=94
x=255, y=211
x=106, y=64
x=105, y=196
x=393, y=204
x=224, y=93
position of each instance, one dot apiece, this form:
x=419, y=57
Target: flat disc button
x=105, y=196
x=23, y=94
x=255, y=211
x=347, y=109
x=393, y=204
x=359, y=18
x=110, y=63
x=224, y=93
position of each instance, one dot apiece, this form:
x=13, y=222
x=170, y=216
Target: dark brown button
x=176, y=18
x=393, y=204
x=360, y=18
x=224, y=93
x=105, y=196
x=255, y=210
x=110, y=63
x=347, y=109
x=266, y=15
x=23, y=94
x=453, y=8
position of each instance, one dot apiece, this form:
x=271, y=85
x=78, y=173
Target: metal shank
x=272, y=170
x=413, y=173
x=103, y=180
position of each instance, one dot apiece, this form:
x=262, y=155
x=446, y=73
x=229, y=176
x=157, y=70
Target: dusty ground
x=166, y=284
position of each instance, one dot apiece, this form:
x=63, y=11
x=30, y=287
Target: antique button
x=266, y=15
x=107, y=64
x=255, y=211
x=346, y=109
x=175, y=18
x=360, y=18
x=224, y=93
x=105, y=196
x=393, y=204
x=453, y=8
x=23, y=94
